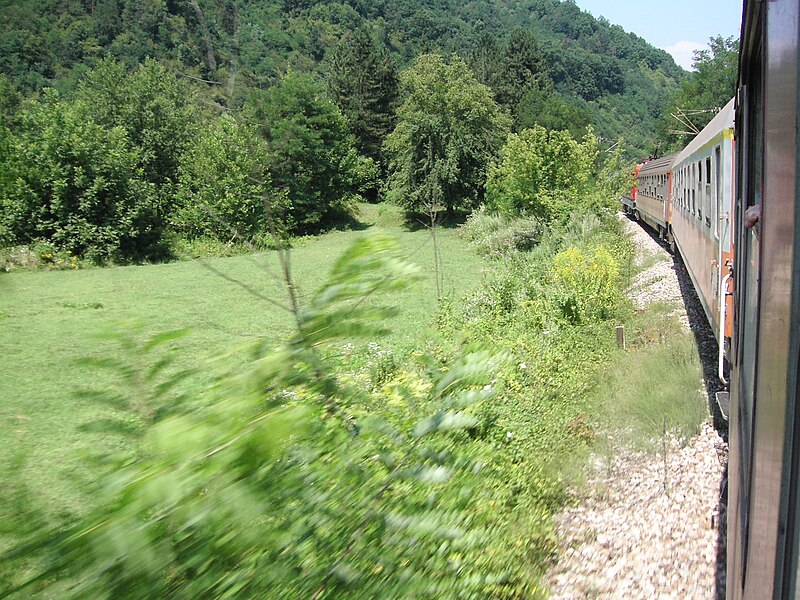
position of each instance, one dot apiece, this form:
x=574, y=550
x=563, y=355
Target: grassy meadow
x=49, y=320
x=563, y=387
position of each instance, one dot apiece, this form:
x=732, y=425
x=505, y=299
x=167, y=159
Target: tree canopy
x=183, y=89
x=77, y=184
x=362, y=79
x=707, y=89
x=311, y=153
x=235, y=46
x=449, y=130
x=543, y=174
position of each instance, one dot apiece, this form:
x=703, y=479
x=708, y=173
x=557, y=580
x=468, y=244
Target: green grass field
x=48, y=322
x=564, y=388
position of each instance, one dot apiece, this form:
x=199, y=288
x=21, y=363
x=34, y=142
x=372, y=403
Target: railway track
x=653, y=526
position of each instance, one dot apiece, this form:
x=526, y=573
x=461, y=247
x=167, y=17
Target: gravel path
x=649, y=525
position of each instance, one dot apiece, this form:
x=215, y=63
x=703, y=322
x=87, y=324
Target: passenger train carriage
x=702, y=208
x=654, y=182
x=732, y=210
x=764, y=428
x=688, y=199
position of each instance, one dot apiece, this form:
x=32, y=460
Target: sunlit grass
x=48, y=321
x=654, y=386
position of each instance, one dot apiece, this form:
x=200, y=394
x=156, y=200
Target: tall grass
x=654, y=387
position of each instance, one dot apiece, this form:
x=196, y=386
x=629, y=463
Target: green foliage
x=220, y=299
x=584, y=74
x=522, y=68
x=222, y=191
x=94, y=175
x=498, y=236
x=616, y=176
x=449, y=128
x=76, y=184
x=708, y=88
x=282, y=464
x=548, y=109
x=362, y=80
x=10, y=100
x=312, y=155
x=245, y=45
x=359, y=466
x=544, y=174
x=542, y=421
x=586, y=283
x=153, y=107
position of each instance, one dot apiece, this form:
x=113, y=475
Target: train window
x=707, y=193
x=699, y=187
x=717, y=189
x=683, y=189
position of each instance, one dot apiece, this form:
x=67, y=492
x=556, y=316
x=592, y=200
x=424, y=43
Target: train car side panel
x=774, y=408
x=763, y=524
x=652, y=196
x=701, y=212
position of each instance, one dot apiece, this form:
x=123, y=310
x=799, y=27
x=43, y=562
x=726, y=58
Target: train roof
x=657, y=165
x=723, y=121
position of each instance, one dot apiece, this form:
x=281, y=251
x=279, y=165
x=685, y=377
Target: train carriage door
x=750, y=140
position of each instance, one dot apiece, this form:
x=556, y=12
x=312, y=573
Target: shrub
x=498, y=236
x=541, y=173
x=76, y=185
x=223, y=189
x=585, y=283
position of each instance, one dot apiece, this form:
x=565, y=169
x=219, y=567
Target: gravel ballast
x=650, y=525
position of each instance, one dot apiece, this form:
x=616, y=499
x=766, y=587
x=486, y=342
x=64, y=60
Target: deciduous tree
x=312, y=155
x=449, y=129
x=544, y=174
x=707, y=89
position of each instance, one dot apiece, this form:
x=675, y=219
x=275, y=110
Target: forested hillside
x=563, y=68
x=131, y=128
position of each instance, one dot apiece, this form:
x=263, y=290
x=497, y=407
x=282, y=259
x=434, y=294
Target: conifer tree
x=485, y=60
x=523, y=69
x=362, y=80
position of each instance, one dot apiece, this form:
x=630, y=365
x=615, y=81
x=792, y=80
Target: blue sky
x=677, y=26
